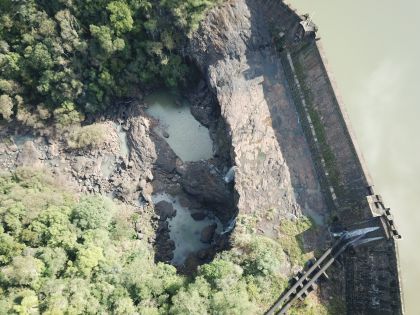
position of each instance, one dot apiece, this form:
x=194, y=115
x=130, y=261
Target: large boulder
x=190, y=264
x=165, y=210
x=207, y=233
x=29, y=156
x=166, y=157
x=206, y=254
x=198, y=216
x=206, y=185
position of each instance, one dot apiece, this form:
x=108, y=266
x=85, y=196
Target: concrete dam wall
x=371, y=272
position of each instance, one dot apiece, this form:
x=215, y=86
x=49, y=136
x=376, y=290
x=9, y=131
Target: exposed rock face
x=166, y=157
x=231, y=48
x=140, y=142
x=204, y=105
x=234, y=49
x=29, y=156
x=205, y=184
x=142, y=156
x=205, y=108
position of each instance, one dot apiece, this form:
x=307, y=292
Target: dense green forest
x=62, y=254
x=64, y=58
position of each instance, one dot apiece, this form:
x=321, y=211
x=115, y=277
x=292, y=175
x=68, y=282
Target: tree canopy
x=81, y=55
x=62, y=254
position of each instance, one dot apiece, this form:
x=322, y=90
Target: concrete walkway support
x=308, y=280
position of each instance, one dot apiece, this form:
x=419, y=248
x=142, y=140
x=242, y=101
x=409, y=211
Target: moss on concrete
x=326, y=152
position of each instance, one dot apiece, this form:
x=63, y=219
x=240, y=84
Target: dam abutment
x=373, y=284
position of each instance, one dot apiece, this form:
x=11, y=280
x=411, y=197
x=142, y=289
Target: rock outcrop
x=198, y=216
x=207, y=233
x=29, y=156
x=232, y=48
x=206, y=185
x=144, y=151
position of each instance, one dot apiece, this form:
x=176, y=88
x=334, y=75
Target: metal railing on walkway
x=306, y=281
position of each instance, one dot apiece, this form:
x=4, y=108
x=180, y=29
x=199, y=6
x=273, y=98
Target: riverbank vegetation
x=59, y=58
x=67, y=254
x=90, y=136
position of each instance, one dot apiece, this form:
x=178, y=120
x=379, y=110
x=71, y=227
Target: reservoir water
x=186, y=136
x=373, y=49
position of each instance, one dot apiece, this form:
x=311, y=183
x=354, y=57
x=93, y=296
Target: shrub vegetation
x=91, y=136
x=65, y=255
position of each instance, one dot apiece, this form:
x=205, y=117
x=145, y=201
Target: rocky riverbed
x=135, y=162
